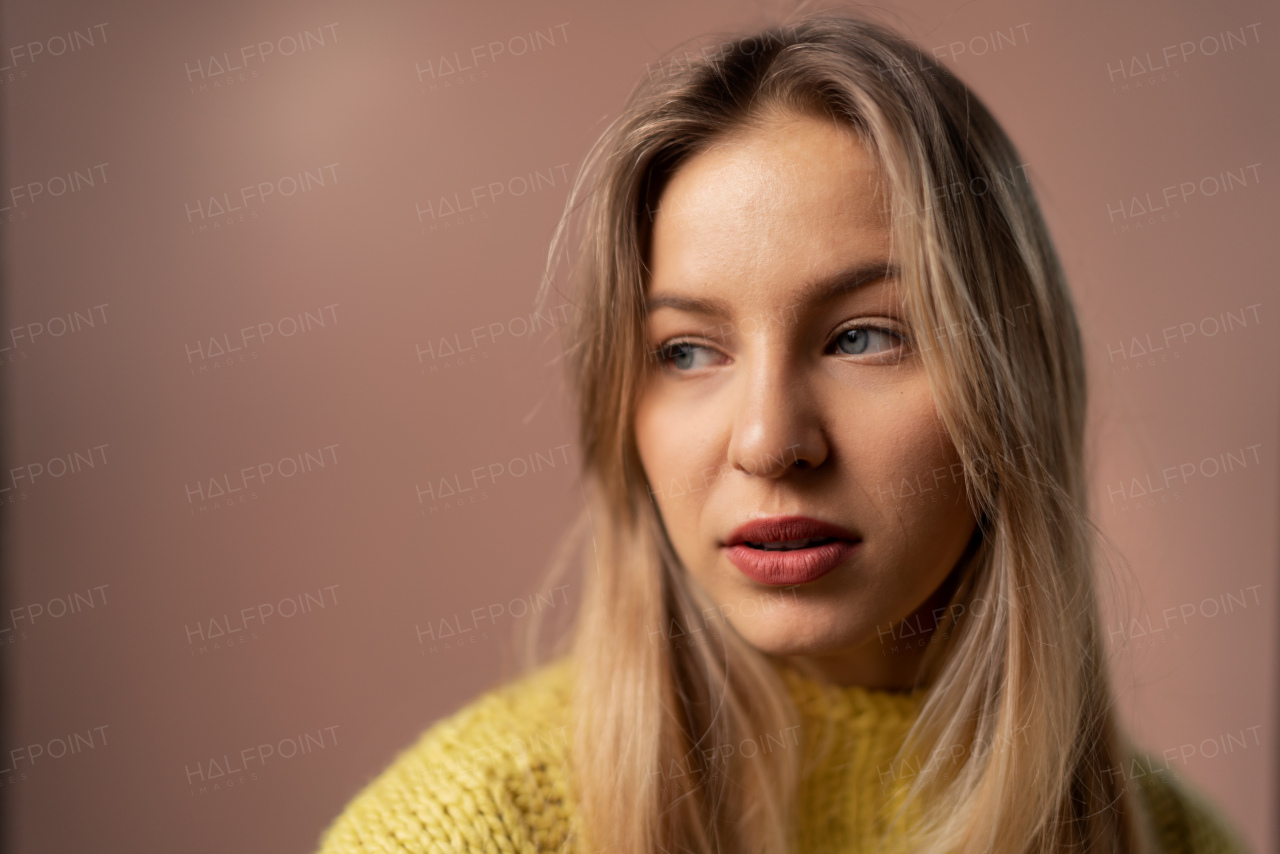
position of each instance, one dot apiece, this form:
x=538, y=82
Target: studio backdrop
x=287, y=447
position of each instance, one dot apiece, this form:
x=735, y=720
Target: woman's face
x=782, y=384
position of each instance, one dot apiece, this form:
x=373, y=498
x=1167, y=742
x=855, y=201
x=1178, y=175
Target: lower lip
x=797, y=566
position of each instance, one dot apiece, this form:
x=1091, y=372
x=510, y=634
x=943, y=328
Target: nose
x=777, y=428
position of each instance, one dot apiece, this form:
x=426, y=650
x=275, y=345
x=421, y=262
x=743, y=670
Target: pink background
x=372, y=395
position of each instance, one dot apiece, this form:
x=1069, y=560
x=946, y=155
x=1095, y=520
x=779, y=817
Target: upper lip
x=776, y=529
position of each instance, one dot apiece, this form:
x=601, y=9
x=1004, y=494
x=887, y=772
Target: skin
x=763, y=407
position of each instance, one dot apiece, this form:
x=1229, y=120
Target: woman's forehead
x=796, y=160
x=792, y=201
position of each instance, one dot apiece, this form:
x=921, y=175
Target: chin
x=800, y=635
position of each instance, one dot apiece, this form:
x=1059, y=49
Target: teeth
x=791, y=545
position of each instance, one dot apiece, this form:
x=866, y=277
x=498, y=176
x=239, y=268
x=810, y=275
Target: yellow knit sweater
x=494, y=777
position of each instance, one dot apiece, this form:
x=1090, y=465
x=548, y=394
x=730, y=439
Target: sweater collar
x=827, y=700
x=851, y=780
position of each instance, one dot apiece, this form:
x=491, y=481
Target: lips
x=785, y=550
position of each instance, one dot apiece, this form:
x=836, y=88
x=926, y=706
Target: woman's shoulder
x=495, y=771
x=1184, y=819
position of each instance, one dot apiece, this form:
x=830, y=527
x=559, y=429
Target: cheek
x=656, y=441
x=909, y=472
x=678, y=449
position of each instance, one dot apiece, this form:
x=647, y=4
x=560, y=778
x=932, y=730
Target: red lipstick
x=784, y=550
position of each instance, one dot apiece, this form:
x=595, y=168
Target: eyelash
x=665, y=352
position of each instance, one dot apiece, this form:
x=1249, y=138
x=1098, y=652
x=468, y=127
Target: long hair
x=992, y=318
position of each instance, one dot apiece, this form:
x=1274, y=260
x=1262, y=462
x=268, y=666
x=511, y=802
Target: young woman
x=839, y=577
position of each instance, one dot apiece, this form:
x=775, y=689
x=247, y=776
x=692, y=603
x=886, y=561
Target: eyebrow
x=818, y=290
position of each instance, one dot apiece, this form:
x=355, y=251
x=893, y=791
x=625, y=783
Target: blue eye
x=682, y=355
x=861, y=340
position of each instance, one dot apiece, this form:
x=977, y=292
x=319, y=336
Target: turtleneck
x=496, y=776
x=849, y=782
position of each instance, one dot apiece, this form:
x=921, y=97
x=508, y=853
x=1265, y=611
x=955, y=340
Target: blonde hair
x=994, y=324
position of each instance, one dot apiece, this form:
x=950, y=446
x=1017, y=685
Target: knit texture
x=495, y=777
